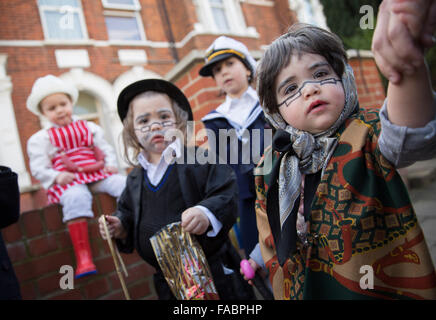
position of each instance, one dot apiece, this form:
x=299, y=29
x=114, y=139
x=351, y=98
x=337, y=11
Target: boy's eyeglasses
x=147, y=127
x=296, y=95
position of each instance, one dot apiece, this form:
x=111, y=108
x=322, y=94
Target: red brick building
x=101, y=46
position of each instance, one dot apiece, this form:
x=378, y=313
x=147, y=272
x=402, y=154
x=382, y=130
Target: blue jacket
x=244, y=171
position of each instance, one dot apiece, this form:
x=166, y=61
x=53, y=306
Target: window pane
x=216, y=2
x=63, y=25
x=220, y=19
x=122, y=28
x=124, y=2
x=85, y=105
x=59, y=3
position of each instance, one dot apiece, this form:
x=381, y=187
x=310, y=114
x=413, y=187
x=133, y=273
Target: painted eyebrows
x=292, y=77
x=159, y=112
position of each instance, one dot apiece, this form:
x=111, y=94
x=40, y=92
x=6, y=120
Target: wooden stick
x=116, y=256
x=120, y=259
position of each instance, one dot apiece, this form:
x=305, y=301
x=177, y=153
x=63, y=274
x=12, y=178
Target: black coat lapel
x=136, y=192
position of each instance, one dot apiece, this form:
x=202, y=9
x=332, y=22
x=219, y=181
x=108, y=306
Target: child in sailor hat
x=233, y=68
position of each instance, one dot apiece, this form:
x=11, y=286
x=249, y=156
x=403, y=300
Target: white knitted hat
x=46, y=86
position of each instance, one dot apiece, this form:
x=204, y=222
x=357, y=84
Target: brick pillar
x=369, y=86
x=203, y=94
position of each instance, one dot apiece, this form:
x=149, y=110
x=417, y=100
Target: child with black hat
x=164, y=188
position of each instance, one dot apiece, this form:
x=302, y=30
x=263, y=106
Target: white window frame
x=234, y=15
x=79, y=10
x=97, y=115
x=129, y=15
x=223, y=8
x=318, y=18
x=135, y=6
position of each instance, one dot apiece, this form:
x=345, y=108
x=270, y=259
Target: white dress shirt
x=238, y=110
x=155, y=173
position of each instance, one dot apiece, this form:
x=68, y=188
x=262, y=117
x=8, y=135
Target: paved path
x=423, y=197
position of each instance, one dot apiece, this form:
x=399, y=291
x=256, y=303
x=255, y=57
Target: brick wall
x=369, y=86
x=39, y=244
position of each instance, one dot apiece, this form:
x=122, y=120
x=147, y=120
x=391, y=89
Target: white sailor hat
x=46, y=86
x=223, y=48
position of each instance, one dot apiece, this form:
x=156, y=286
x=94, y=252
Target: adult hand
x=395, y=50
x=420, y=18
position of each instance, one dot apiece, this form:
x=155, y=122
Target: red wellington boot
x=79, y=237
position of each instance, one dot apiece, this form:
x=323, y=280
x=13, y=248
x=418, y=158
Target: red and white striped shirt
x=75, y=141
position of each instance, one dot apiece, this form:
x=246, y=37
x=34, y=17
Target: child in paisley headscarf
x=334, y=217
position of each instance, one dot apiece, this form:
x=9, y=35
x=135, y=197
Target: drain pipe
x=168, y=30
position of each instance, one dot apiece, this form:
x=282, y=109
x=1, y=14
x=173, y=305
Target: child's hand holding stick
x=117, y=257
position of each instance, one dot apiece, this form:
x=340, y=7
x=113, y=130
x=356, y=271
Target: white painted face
x=152, y=117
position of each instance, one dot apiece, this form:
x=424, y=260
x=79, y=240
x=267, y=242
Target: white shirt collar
x=249, y=98
x=238, y=110
x=174, y=150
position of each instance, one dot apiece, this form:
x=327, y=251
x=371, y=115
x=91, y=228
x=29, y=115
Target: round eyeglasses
x=147, y=127
x=294, y=96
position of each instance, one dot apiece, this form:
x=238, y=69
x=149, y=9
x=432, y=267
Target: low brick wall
x=39, y=244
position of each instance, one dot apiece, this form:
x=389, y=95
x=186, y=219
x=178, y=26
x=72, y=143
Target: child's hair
x=129, y=136
x=300, y=38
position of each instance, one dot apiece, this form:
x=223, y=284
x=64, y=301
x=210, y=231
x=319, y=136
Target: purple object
x=247, y=269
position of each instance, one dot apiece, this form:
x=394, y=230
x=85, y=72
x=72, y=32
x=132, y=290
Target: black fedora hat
x=159, y=85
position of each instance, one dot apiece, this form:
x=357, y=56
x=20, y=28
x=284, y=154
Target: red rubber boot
x=79, y=237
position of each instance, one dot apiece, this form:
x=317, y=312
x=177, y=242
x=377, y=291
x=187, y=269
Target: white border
x=136, y=6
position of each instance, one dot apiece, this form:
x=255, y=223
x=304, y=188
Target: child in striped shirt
x=69, y=159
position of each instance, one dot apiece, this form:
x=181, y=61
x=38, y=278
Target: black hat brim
x=158, y=85
x=206, y=70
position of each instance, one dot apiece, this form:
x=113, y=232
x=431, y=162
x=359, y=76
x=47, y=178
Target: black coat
x=244, y=172
x=212, y=186
x=9, y=214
